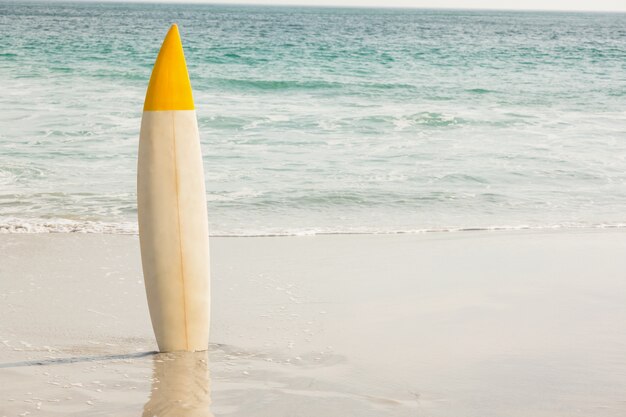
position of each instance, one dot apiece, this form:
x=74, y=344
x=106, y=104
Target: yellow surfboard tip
x=169, y=87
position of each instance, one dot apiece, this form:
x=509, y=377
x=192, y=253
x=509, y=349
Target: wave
x=286, y=84
x=273, y=85
x=426, y=230
x=480, y=91
x=45, y=226
x=14, y=225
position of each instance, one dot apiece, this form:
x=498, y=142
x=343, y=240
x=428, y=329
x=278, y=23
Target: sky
x=592, y=5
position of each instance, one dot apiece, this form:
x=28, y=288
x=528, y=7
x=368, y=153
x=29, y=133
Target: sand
x=437, y=324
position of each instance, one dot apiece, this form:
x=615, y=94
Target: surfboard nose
x=169, y=87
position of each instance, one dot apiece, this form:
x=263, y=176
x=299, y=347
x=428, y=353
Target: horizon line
x=318, y=6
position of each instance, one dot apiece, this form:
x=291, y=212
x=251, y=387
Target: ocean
x=320, y=120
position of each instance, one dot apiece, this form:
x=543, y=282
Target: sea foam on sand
x=478, y=324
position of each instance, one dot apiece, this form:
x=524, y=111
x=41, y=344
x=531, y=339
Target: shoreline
x=475, y=324
x=58, y=226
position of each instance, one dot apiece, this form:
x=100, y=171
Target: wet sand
x=438, y=324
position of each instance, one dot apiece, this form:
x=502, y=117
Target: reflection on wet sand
x=180, y=386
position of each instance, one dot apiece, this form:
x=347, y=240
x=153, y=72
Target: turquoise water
x=320, y=120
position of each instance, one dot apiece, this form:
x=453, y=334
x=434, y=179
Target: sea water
x=320, y=120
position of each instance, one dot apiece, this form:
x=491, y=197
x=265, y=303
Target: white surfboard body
x=171, y=205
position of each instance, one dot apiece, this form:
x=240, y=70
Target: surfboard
x=171, y=206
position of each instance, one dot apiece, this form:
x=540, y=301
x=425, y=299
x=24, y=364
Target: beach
x=502, y=323
x=412, y=212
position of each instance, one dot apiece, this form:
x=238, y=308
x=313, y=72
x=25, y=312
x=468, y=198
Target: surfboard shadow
x=64, y=361
x=180, y=386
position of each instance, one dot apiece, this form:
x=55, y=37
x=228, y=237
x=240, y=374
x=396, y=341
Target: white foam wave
x=321, y=232
x=15, y=225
